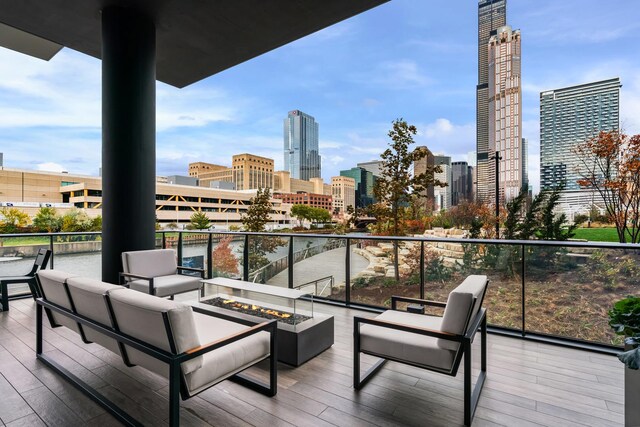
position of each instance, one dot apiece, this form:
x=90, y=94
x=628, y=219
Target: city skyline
x=422, y=68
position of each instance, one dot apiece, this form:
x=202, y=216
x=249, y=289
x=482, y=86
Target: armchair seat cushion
x=229, y=359
x=167, y=285
x=407, y=346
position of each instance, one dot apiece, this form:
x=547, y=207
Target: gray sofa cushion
x=52, y=282
x=459, y=304
x=408, y=346
x=88, y=298
x=140, y=316
x=151, y=263
x=229, y=359
x=167, y=285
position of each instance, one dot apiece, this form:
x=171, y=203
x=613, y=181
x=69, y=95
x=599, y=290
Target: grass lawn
x=597, y=234
x=24, y=241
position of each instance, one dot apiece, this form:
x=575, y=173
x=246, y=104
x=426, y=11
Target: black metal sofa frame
x=177, y=387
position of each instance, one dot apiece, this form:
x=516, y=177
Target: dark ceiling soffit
x=27, y=43
x=195, y=39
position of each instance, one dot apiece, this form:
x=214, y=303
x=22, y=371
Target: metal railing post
x=422, y=270
x=245, y=259
x=347, y=273
x=164, y=240
x=51, y=249
x=210, y=256
x=291, y=261
x=180, y=248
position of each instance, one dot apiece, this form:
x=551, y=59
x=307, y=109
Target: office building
x=373, y=166
x=343, y=191
x=568, y=117
x=323, y=201
x=442, y=195
x=525, y=163
x=301, y=153
x=461, y=182
x=421, y=166
x=492, y=14
x=251, y=172
x=505, y=114
x=364, y=180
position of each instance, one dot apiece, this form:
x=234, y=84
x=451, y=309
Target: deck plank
x=528, y=384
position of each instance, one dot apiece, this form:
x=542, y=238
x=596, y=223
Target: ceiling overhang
x=194, y=38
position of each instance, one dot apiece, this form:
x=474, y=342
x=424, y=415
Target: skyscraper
x=569, y=116
x=301, y=155
x=422, y=166
x=461, y=182
x=442, y=195
x=505, y=113
x=373, y=166
x=364, y=181
x=492, y=14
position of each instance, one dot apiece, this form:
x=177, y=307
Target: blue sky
x=407, y=58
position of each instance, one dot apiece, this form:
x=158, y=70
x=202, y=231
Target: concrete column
x=128, y=135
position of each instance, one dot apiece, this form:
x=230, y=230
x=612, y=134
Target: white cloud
x=50, y=167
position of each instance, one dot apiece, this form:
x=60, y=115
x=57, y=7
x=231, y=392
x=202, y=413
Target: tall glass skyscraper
x=492, y=14
x=569, y=116
x=301, y=155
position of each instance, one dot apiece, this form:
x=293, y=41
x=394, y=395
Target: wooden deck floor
x=528, y=384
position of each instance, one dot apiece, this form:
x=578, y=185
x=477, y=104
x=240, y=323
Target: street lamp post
x=497, y=158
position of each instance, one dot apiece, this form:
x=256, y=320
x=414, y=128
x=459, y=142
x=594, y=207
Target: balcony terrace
x=531, y=380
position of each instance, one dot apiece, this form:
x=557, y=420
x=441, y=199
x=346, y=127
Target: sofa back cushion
x=464, y=303
x=141, y=316
x=88, y=297
x=52, y=283
x=151, y=263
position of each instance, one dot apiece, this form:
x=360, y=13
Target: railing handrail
x=565, y=243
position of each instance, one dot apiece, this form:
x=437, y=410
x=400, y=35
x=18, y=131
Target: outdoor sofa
x=193, y=350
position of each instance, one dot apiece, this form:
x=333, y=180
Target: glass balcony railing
x=538, y=289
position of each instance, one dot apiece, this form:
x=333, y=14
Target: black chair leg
x=5, y=296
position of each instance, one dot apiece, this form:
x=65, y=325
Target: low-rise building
x=30, y=190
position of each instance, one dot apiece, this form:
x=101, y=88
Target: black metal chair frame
x=181, y=270
x=471, y=395
x=41, y=261
x=177, y=385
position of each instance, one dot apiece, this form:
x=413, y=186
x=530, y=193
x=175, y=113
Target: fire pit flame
x=237, y=305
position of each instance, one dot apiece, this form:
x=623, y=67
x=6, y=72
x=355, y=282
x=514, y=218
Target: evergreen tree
x=199, y=221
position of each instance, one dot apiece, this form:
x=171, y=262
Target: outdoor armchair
x=429, y=342
x=42, y=258
x=156, y=272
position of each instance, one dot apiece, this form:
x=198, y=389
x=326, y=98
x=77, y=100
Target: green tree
x=47, y=220
x=258, y=213
x=12, y=220
x=396, y=185
x=75, y=220
x=301, y=212
x=199, y=221
x=255, y=220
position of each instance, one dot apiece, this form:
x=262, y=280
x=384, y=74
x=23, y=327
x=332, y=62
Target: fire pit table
x=302, y=333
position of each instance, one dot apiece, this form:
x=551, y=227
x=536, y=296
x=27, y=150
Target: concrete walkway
x=330, y=263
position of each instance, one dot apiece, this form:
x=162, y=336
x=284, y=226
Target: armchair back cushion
x=151, y=263
x=140, y=316
x=88, y=296
x=52, y=282
x=461, y=306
